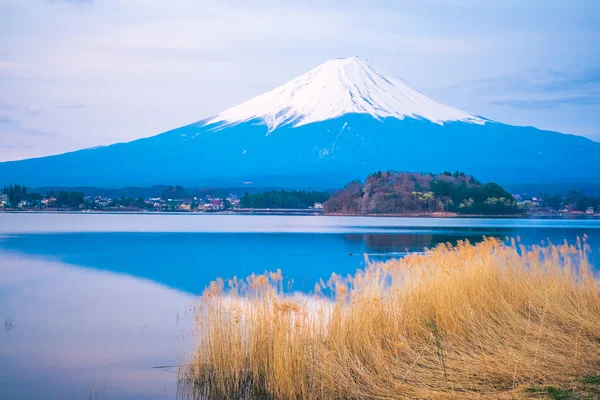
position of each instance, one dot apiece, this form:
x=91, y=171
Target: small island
x=415, y=193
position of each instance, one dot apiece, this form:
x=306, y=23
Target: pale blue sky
x=81, y=73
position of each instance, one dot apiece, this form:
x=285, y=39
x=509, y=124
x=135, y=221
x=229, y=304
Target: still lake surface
x=93, y=303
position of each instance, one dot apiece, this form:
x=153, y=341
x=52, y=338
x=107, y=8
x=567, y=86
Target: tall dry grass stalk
x=471, y=321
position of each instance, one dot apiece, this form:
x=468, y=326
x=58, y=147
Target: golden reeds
x=468, y=321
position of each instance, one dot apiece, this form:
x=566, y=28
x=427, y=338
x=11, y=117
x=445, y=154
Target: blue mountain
x=338, y=122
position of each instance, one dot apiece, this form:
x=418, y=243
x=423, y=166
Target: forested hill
x=417, y=193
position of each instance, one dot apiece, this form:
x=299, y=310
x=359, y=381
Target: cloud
x=20, y=142
x=16, y=141
x=72, y=1
x=30, y=132
x=537, y=80
x=32, y=111
x=22, y=130
x=10, y=110
x=15, y=146
x=76, y=106
x=11, y=66
x=548, y=103
x=10, y=126
x=538, y=88
x=36, y=132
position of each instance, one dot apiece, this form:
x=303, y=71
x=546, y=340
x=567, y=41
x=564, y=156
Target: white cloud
x=9, y=67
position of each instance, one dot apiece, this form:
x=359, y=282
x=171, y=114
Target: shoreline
x=305, y=212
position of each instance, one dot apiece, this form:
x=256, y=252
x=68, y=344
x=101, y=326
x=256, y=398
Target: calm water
x=92, y=303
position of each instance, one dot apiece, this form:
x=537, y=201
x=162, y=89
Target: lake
x=99, y=304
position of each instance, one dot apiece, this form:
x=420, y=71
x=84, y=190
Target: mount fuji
x=338, y=122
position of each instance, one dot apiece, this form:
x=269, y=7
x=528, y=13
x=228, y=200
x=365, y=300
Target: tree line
x=574, y=198
x=284, y=199
x=15, y=194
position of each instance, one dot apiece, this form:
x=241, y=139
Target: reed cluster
x=491, y=320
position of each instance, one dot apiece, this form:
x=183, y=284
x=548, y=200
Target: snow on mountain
x=338, y=87
x=339, y=122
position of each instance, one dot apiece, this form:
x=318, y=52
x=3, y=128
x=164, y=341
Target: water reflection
x=417, y=241
x=189, y=261
x=91, y=303
x=77, y=332
x=414, y=242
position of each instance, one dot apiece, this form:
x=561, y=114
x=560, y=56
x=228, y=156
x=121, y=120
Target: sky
x=84, y=73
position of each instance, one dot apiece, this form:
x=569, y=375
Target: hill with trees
x=411, y=193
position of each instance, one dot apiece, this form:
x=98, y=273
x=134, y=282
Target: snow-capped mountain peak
x=338, y=87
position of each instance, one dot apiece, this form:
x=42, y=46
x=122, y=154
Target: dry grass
x=471, y=321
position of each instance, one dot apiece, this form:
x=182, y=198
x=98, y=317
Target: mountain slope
x=339, y=122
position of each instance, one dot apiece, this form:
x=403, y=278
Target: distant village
x=173, y=199
x=50, y=203
x=176, y=199
x=558, y=205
